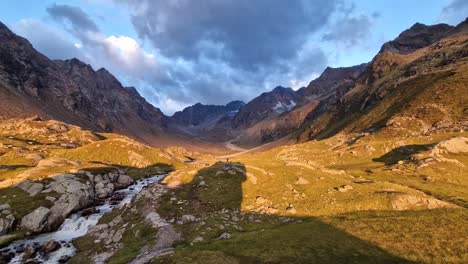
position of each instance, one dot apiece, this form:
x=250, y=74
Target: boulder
x=28, y=253
x=453, y=146
x=124, y=181
x=36, y=220
x=50, y=246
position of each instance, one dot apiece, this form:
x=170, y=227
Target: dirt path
x=230, y=145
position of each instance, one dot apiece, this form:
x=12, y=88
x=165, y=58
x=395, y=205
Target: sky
x=180, y=52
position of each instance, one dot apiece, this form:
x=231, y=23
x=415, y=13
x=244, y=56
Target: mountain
x=268, y=104
x=198, y=114
x=320, y=93
x=419, y=79
x=70, y=91
x=331, y=80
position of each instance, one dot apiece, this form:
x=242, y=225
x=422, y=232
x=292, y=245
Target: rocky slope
x=70, y=91
x=400, y=84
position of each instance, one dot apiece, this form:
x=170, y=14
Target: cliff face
x=70, y=91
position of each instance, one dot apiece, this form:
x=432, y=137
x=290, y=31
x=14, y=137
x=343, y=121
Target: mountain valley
x=366, y=164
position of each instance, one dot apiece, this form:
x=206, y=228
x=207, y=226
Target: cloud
x=79, y=20
x=47, y=40
x=206, y=51
x=350, y=31
x=218, y=51
x=248, y=34
x=455, y=12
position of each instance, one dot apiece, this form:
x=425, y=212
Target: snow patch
x=282, y=107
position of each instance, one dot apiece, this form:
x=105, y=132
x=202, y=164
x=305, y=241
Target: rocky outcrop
x=74, y=193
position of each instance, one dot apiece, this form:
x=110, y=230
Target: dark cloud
x=231, y=50
x=207, y=51
x=79, y=20
x=350, y=30
x=248, y=34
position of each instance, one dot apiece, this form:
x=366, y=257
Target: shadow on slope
x=215, y=195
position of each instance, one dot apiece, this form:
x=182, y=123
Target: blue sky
x=180, y=52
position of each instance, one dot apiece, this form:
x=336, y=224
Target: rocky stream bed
x=56, y=246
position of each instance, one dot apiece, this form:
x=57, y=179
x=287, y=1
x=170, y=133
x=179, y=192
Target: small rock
x=225, y=236
x=50, y=198
x=290, y=209
x=29, y=253
x=301, y=181
x=64, y=259
x=89, y=211
x=188, y=219
x=344, y=188
x=198, y=239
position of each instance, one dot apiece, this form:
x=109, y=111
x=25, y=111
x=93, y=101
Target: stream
x=73, y=227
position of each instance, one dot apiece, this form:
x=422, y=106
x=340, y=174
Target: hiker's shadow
x=215, y=196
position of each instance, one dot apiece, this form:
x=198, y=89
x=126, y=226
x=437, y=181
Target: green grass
x=135, y=238
x=21, y=202
x=430, y=236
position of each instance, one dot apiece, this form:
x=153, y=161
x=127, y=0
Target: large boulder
x=124, y=181
x=75, y=195
x=451, y=146
x=36, y=220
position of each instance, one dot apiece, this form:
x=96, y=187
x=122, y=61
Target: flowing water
x=75, y=226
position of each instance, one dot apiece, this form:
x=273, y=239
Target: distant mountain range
x=421, y=61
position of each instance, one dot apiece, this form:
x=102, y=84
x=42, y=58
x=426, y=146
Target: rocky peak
x=235, y=105
x=416, y=37
x=331, y=79
x=198, y=113
x=268, y=104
